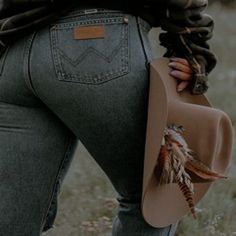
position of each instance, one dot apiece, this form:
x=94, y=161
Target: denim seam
x=66, y=155
x=26, y=62
x=85, y=18
x=170, y=229
x=144, y=26
x=142, y=42
x=3, y=59
x=107, y=20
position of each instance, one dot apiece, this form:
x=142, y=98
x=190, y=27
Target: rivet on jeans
x=126, y=19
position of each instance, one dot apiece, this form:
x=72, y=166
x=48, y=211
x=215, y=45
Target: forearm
x=187, y=30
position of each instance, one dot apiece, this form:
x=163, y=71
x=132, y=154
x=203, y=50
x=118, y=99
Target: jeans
x=56, y=91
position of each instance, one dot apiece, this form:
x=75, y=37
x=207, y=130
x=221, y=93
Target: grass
x=87, y=201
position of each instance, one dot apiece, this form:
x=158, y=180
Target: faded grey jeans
x=55, y=90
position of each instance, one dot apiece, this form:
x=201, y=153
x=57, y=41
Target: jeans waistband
x=76, y=11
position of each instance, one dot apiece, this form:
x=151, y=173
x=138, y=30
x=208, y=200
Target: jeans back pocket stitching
x=53, y=41
x=93, y=50
x=123, y=46
x=84, y=21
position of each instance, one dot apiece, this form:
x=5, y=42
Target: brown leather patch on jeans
x=89, y=32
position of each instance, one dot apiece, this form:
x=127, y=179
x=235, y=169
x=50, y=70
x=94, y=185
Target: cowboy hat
x=208, y=132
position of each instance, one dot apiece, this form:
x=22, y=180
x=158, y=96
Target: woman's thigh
x=98, y=86
x=34, y=147
x=35, y=150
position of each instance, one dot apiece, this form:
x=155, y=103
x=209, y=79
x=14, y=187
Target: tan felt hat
x=207, y=131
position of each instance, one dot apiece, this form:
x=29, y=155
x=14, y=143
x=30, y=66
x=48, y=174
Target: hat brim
x=163, y=205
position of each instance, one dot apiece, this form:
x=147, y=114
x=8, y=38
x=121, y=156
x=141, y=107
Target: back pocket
x=90, y=60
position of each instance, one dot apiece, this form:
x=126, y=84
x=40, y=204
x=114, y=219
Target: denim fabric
x=55, y=90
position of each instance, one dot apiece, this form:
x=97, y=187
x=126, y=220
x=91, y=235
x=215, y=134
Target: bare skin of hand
x=180, y=70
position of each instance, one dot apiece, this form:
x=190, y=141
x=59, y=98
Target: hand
x=181, y=70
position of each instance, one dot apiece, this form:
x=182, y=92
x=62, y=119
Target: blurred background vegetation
x=223, y=2
x=87, y=202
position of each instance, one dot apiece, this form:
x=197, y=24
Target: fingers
x=180, y=75
x=181, y=70
x=181, y=67
x=181, y=86
x=180, y=60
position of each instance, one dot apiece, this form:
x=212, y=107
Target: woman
x=82, y=75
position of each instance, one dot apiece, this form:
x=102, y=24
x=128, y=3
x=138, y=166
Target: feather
x=181, y=175
x=202, y=170
x=175, y=158
x=188, y=194
x=163, y=166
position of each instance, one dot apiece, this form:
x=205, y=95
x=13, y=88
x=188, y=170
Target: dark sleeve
x=16, y=19
x=12, y=7
x=187, y=29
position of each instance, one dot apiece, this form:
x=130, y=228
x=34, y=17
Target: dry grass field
x=87, y=201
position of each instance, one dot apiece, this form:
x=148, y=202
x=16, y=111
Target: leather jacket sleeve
x=187, y=28
x=17, y=17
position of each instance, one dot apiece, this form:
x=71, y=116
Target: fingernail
x=173, y=73
x=179, y=89
x=172, y=64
